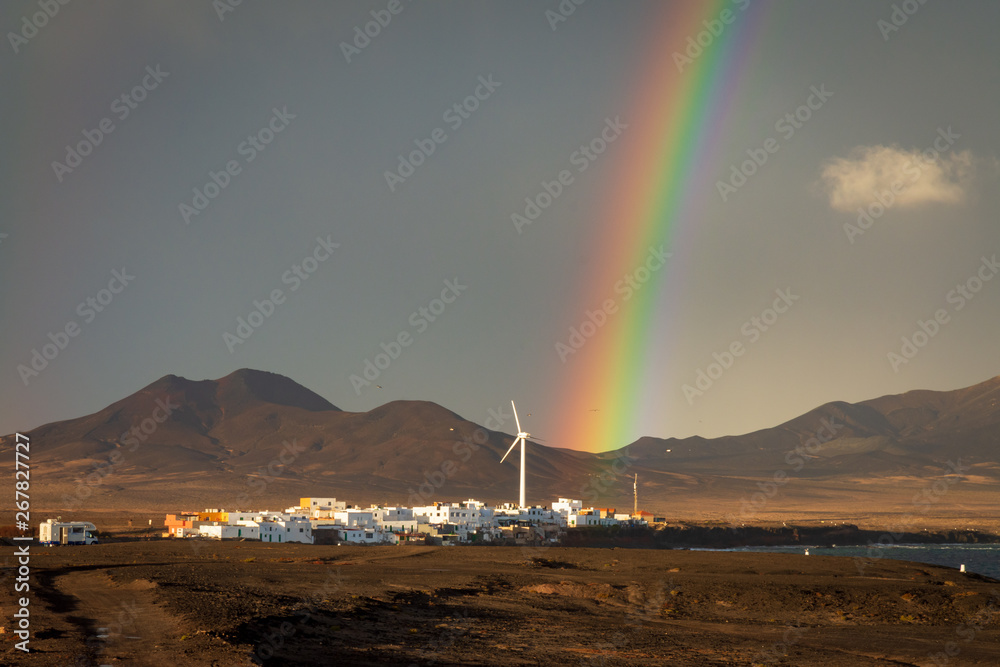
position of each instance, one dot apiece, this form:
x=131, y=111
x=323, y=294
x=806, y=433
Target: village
x=329, y=521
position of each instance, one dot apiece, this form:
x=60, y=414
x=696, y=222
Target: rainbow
x=676, y=119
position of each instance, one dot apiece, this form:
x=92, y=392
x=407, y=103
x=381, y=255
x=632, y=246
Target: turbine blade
x=516, y=420
x=509, y=450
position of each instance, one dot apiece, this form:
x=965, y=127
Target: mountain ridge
x=258, y=435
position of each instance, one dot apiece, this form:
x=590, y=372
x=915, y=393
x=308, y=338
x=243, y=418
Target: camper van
x=54, y=532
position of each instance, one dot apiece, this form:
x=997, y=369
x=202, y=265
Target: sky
x=634, y=219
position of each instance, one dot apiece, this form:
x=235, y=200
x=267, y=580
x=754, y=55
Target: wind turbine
x=521, y=437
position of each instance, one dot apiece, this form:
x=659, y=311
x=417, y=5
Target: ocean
x=982, y=559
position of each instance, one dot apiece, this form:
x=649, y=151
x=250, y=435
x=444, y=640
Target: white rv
x=67, y=532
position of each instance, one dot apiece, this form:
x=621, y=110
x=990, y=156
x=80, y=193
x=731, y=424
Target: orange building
x=189, y=520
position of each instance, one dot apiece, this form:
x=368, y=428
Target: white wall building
x=580, y=520
x=323, y=504
x=470, y=515
x=292, y=530
x=392, y=514
x=367, y=536
x=467, y=520
x=355, y=518
x=223, y=531
x=395, y=519
x=533, y=515
x=470, y=520
x=318, y=508
x=567, y=506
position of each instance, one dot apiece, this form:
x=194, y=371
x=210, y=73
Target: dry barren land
x=242, y=603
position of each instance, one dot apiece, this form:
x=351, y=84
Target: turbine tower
x=635, y=497
x=521, y=437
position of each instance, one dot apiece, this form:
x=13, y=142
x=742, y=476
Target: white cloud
x=910, y=177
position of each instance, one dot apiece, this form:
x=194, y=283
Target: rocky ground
x=242, y=603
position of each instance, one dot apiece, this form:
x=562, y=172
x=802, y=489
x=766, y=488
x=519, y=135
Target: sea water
x=982, y=559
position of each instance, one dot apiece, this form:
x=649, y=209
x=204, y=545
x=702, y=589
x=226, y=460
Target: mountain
x=904, y=432
x=257, y=439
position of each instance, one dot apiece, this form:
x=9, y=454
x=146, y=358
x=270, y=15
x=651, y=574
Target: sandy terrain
x=234, y=603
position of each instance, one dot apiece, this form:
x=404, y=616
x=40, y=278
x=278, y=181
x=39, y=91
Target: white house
x=580, y=520
x=470, y=514
x=186, y=532
x=318, y=507
x=392, y=514
x=292, y=530
x=223, y=531
x=533, y=515
x=367, y=536
x=567, y=506
x=355, y=518
x=395, y=519
x=466, y=520
x=283, y=516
